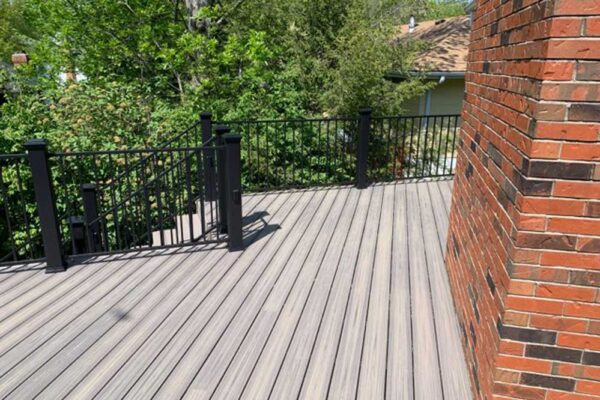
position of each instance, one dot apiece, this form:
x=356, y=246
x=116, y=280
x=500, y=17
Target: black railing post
x=37, y=150
x=234, y=191
x=363, y=148
x=90, y=211
x=208, y=158
x=221, y=130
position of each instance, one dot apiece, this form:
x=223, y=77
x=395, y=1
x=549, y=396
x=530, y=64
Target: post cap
x=365, y=111
x=222, y=129
x=205, y=115
x=232, y=138
x=36, y=144
x=88, y=186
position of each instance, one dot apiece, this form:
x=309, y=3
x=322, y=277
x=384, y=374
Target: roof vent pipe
x=412, y=24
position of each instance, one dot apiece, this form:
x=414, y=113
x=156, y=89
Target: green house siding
x=445, y=98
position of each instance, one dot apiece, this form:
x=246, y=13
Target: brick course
x=523, y=252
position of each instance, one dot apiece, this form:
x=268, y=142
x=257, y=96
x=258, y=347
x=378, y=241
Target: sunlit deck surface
x=340, y=293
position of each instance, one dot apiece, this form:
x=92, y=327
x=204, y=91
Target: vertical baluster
x=295, y=149
x=418, y=147
x=363, y=148
x=199, y=155
x=258, y=167
x=113, y=206
x=338, y=161
x=148, y=207
x=183, y=206
x=456, y=127
x=170, y=198
x=285, y=161
x=395, y=157
x=267, y=137
x=91, y=222
x=5, y=202
x=209, y=162
x=446, y=138
x=388, y=148
x=29, y=246
x=158, y=198
x=432, y=146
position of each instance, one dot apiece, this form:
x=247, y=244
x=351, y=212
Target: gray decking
x=341, y=294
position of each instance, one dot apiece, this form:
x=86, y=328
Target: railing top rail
x=181, y=134
x=13, y=156
x=417, y=116
x=134, y=151
x=293, y=120
x=333, y=119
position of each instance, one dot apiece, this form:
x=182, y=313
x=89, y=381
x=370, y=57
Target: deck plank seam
x=370, y=190
x=391, y=280
x=315, y=212
x=435, y=322
x=292, y=288
x=57, y=314
x=254, y=206
x=188, y=317
x=370, y=294
x=144, y=278
x=287, y=295
x=177, y=281
x=410, y=295
x=348, y=300
x=227, y=295
x=308, y=298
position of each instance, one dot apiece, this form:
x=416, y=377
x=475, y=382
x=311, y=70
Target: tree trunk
x=192, y=7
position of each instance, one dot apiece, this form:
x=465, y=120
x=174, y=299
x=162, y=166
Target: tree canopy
x=148, y=67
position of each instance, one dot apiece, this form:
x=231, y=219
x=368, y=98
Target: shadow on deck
x=339, y=294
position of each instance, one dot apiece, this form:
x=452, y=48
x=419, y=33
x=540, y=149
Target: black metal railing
x=159, y=203
x=297, y=153
x=188, y=190
x=282, y=154
x=412, y=147
x=59, y=206
x=20, y=237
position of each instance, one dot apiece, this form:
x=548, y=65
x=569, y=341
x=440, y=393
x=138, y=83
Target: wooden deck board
x=372, y=378
x=286, y=343
x=447, y=331
x=400, y=383
x=282, y=305
x=426, y=367
x=340, y=293
x=346, y=370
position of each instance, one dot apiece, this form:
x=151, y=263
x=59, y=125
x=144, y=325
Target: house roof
x=449, y=39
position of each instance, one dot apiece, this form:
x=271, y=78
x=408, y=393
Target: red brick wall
x=524, y=243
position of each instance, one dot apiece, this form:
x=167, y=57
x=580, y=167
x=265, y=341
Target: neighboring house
x=445, y=61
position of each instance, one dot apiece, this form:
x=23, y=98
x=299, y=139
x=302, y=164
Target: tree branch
x=229, y=12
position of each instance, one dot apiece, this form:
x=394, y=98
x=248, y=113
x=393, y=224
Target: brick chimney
x=19, y=59
x=523, y=249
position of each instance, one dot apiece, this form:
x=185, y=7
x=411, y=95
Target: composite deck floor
x=340, y=293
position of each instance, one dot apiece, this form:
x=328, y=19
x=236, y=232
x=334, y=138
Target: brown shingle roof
x=449, y=40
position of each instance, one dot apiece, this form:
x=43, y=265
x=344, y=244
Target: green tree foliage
x=16, y=33
x=147, y=68
x=237, y=58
